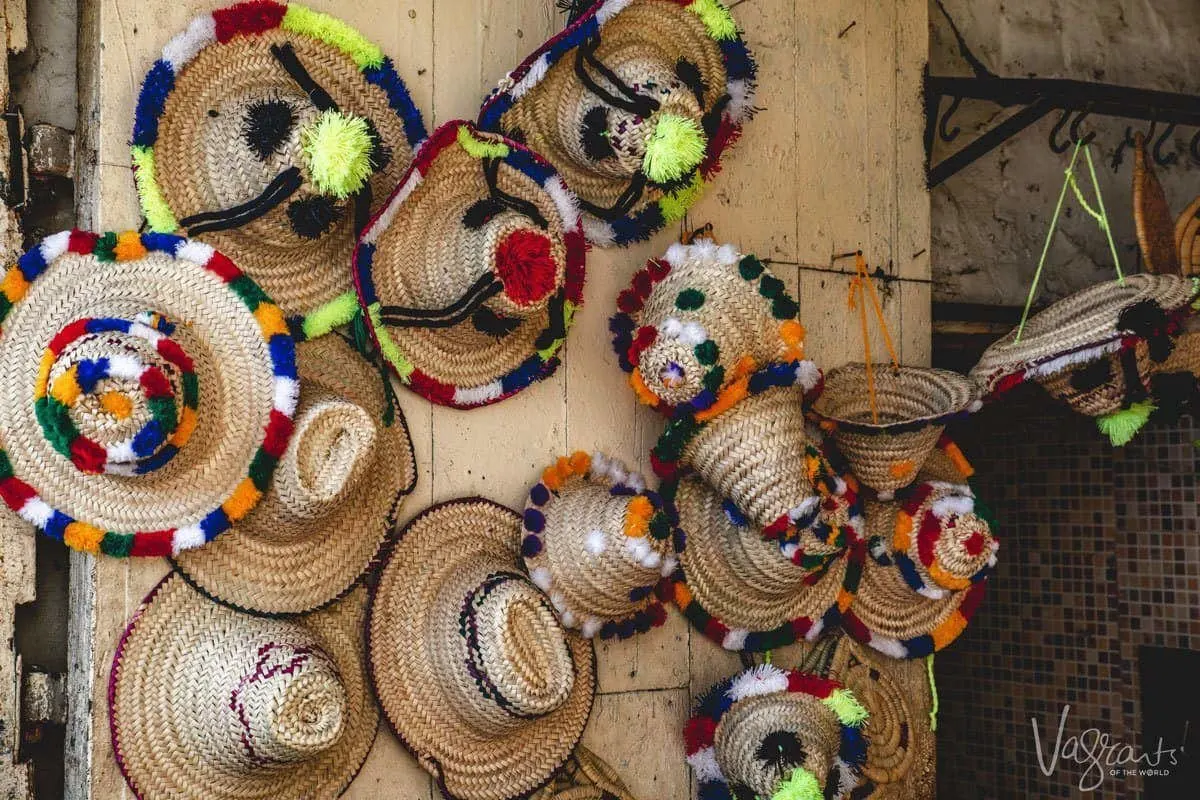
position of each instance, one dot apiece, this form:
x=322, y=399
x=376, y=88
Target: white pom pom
x=541, y=578
x=589, y=629
x=652, y=561
x=559, y=602
x=568, y=619
x=636, y=482
x=757, y=681
x=727, y=255
x=693, y=334
x=704, y=764
x=671, y=328
x=677, y=253
x=638, y=548
x=595, y=542
x=668, y=566
x=808, y=375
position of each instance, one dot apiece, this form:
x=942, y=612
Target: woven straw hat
x=333, y=502
x=739, y=589
x=892, y=616
x=753, y=447
x=271, y=131
x=148, y=394
x=914, y=404
x=598, y=544
x=473, y=270
x=779, y=735
x=697, y=319
x=475, y=673
x=633, y=103
x=208, y=703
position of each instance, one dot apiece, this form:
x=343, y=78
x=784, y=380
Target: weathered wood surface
x=832, y=164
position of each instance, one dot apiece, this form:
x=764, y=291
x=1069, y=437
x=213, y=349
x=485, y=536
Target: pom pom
x=541, y=578
x=716, y=19
x=525, y=265
x=760, y=680
x=689, y=300
x=699, y=733
x=531, y=546
x=338, y=149
x=673, y=149
x=535, y=520
x=801, y=785
x=1121, y=426
x=590, y=627
x=847, y=707
x=595, y=542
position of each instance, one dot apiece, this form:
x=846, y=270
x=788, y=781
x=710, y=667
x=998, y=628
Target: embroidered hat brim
x=158, y=662
x=470, y=205
x=232, y=362
x=541, y=103
x=467, y=762
x=282, y=559
x=223, y=122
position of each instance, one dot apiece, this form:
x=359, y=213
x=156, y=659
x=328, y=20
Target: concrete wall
x=990, y=220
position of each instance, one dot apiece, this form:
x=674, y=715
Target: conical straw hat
x=633, y=103
x=334, y=499
x=272, y=131
x=148, y=395
x=208, y=703
x=598, y=544
x=774, y=733
x=474, y=672
x=697, y=319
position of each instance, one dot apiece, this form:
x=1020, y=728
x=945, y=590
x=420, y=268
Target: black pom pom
x=781, y=749
x=689, y=73
x=481, y=212
x=487, y=321
x=594, y=136
x=381, y=154
x=266, y=127
x=1142, y=318
x=1092, y=376
x=1175, y=394
x=312, y=217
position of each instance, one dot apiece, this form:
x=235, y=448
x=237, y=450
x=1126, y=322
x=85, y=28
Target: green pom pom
x=106, y=247
x=784, y=307
x=1121, y=426
x=849, y=711
x=675, y=148
x=716, y=19
x=770, y=287
x=338, y=149
x=337, y=312
x=802, y=785
x=674, y=206
x=660, y=526
x=332, y=31
x=689, y=300
x=715, y=379
x=158, y=214
x=707, y=352
x=750, y=267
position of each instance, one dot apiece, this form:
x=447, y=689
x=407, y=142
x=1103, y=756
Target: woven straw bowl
x=207, y=703
x=473, y=670
x=333, y=502
x=913, y=404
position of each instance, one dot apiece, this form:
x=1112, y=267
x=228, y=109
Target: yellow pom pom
x=802, y=785
x=675, y=148
x=338, y=150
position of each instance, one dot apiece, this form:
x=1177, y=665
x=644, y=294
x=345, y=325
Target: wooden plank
x=16, y=25
x=640, y=735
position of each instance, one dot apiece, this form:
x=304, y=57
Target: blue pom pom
x=89, y=372
x=162, y=242
x=535, y=520
x=733, y=513
x=531, y=546
x=159, y=83
x=639, y=593
x=539, y=494
x=713, y=790
x=385, y=77
x=854, y=746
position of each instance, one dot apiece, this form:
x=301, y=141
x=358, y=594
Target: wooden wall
x=833, y=163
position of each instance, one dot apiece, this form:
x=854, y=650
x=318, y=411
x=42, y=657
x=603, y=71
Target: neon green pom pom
x=675, y=148
x=337, y=312
x=716, y=18
x=334, y=32
x=338, y=148
x=849, y=711
x=387, y=345
x=1121, y=426
x=676, y=204
x=154, y=205
x=480, y=148
x=802, y=785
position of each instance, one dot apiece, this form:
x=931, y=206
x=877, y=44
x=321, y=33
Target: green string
x=933, y=711
x=767, y=657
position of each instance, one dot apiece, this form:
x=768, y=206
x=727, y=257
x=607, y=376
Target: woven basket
x=1152, y=217
x=585, y=777
x=1187, y=238
x=913, y=405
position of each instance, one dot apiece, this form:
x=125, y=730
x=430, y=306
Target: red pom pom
x=698, y=733
x=641, y=284
x=657, y=270
x=82, y=242
x=663, y=469
x=68, y=334
x=628, y=302
x=225, y=269
x=87, y=456
x=171, y=351
x=526, y=267
x=1008, y=382
x=644, y=337
x=152, y=543
x=253, y=17
x=155, y=383
x=279, y=431
x=427, y=387
x=657, y=614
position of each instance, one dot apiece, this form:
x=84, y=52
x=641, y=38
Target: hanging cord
x=933, y=710
x=1100, y=215
x=860, y=285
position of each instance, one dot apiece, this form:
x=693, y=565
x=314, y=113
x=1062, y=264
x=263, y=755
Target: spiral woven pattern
x=334, y=500
x=200, y=145
x=242, y=385
x=940, y=544
x=473, y=670
x=207, y=703
x=428, y=248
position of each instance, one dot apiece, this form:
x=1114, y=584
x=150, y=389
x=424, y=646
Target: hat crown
x=761, y=742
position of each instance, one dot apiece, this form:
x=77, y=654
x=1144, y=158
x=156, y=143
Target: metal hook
x=1170, y=158
x=949, y=136
x=1194, y=147
x=1075, y=124
x=1057, y=129
x=1130, y=141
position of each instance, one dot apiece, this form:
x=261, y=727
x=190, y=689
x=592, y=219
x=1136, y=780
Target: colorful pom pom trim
x=23, y=499
x=929, y=526
x=253, y=18
x=926, y=644
x=740, y=71
x=645, y=517
x=700, y=732
x=541, y=363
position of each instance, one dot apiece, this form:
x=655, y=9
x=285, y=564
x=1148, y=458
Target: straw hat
x=148, y=394
x=271, y=131
x=753, y=447
x=598, y=544
x=208, y=703
x=913, y=404
x=740, y=590
x=474, y=672
x=892, y=612
x=333, y=502
x=699, y=318
x=777, y=734
x=634, y=103
x=473, y=270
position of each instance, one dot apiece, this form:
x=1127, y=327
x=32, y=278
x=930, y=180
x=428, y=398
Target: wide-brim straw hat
x=739, y=589
x=752, y=445
x=940, y=543
x=598, y=544
x=697, y=319
x=149, y=389
x=208, y=703
x=334, y=500
x=475, y=674
x=271, y=131
x=913, y=405
x=634, y=103
x=774, y=733
x=473, y=270
x=1082, y=329
x=894, y=618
